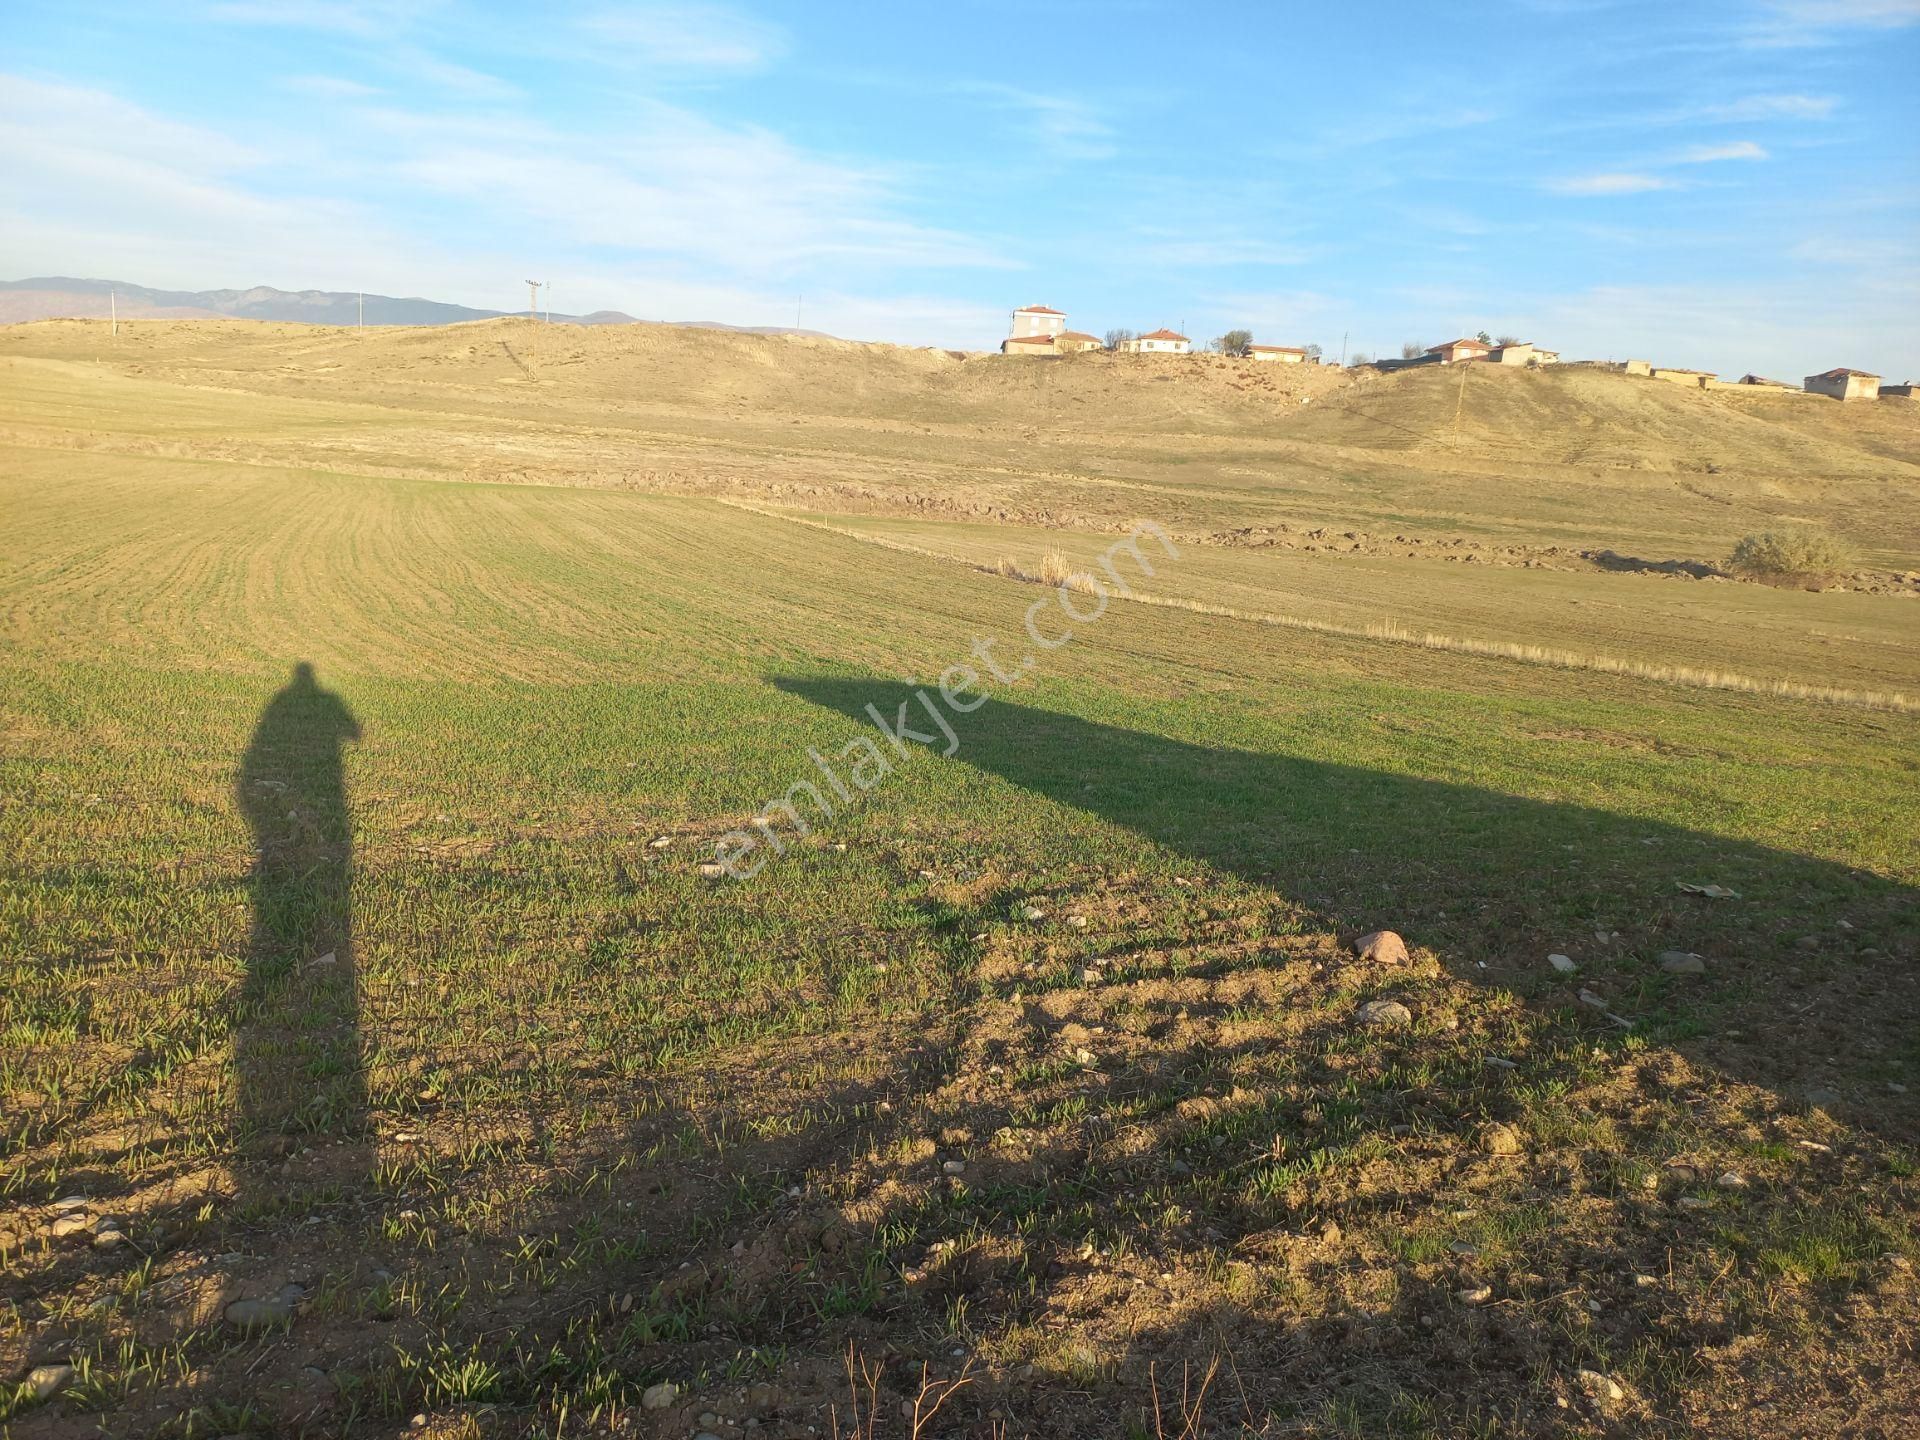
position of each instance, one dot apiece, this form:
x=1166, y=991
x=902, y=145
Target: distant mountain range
x=61, y=297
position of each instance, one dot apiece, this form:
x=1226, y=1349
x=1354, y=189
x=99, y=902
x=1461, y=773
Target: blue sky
x=1731, y=186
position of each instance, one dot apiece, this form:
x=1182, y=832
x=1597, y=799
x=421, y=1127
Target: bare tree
x=1412, y=350
x=1313, y=352
x=1117, y=338
x=1234, y=342
x=1360, y=357
x=1508, y=340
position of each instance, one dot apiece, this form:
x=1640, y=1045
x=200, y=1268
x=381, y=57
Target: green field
x=1038, y=1063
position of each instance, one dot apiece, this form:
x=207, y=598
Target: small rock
x=1733, y=1180
x=1563, y=963
x=711, y=870
x=71, y=1202
x=1032, y=913
x=1330, y=1232
x=1821, y=1098
x=109, y=1240
x=1500, y=1140
x=955, y=1167
x=1078, y=922
x=708, y=1420
x=1691, y=1202
x=1090, y=976
x=262, y=1314
x=72, y=1228
x=1500, y=1062
x=1385, y=946
x=1384, y=1012
x=1474, y=1295
x=1682, y=962
x=659, y=1397
x=660, y=842
x=1085, y=1056
x=1597, y=1002
x=47, y=1381
x=1601, y=1388
x=1645, y=1282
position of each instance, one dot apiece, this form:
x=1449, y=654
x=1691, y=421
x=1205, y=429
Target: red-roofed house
x=1158, y=342
x=1073, y=341
x=1460, y=350
x=1028, y=345
x=1036, y=320
x=1845, y=384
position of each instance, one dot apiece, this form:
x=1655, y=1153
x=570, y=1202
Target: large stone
x=659, y=1397
x=1497, y=1139
x=1385, y=946
x=264, y=1313
x=47, y=1381
x=1384, y=1013
x=1682, y=962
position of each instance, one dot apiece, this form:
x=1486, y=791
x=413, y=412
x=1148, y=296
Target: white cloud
x=1790, y=23
x=667, y=183
x=1208, y=250
x=1060, y=126
x=676, y=219
x=692, y=37
x=329, y=87
x=1775, y=107
x=1709, y=154
x=1610, y=183
x=365, y=19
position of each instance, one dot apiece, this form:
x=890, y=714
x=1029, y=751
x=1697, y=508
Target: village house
x=1544, y=356
x=1904, y=389
x=1752, y=379
x=1158, y=342
x=1071, y=342
x=1520, y=352
x=1031, y=320
x=1457, y=350
x=1692, y=379
x=1028, y=345
x=1844, y=384
x=1278, y=354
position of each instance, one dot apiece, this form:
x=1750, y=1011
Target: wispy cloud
x=1773, y=107
x=1061, y=126
x=1792, y=23
x=684, y=37
x=1609, y=183
x=329, y=87
x=364, y=19
x=1711, y=154
x=1208, y=251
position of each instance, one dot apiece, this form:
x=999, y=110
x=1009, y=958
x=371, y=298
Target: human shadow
x=297, y=1055
x=1796, y=963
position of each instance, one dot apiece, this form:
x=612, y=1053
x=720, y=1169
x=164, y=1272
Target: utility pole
x=799, y=304
x=113, y=303
x=533, y=299
x=1343, y=349
x=363, y=309
x=549, y=288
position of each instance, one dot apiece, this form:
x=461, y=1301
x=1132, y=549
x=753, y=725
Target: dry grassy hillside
x=1560, y=415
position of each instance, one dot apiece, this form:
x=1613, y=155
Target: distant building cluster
x=1840, y=384
x=1042, y=330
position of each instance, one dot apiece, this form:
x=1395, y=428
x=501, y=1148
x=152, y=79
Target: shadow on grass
x=1794, y=996
x=297, y=1046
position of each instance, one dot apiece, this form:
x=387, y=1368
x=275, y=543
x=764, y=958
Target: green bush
x=1789, y=553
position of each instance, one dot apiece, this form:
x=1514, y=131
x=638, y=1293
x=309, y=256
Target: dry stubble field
x=374, y=1047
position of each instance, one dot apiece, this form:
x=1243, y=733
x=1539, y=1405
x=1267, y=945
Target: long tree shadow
x=297, y=1044
x=1797, y=962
